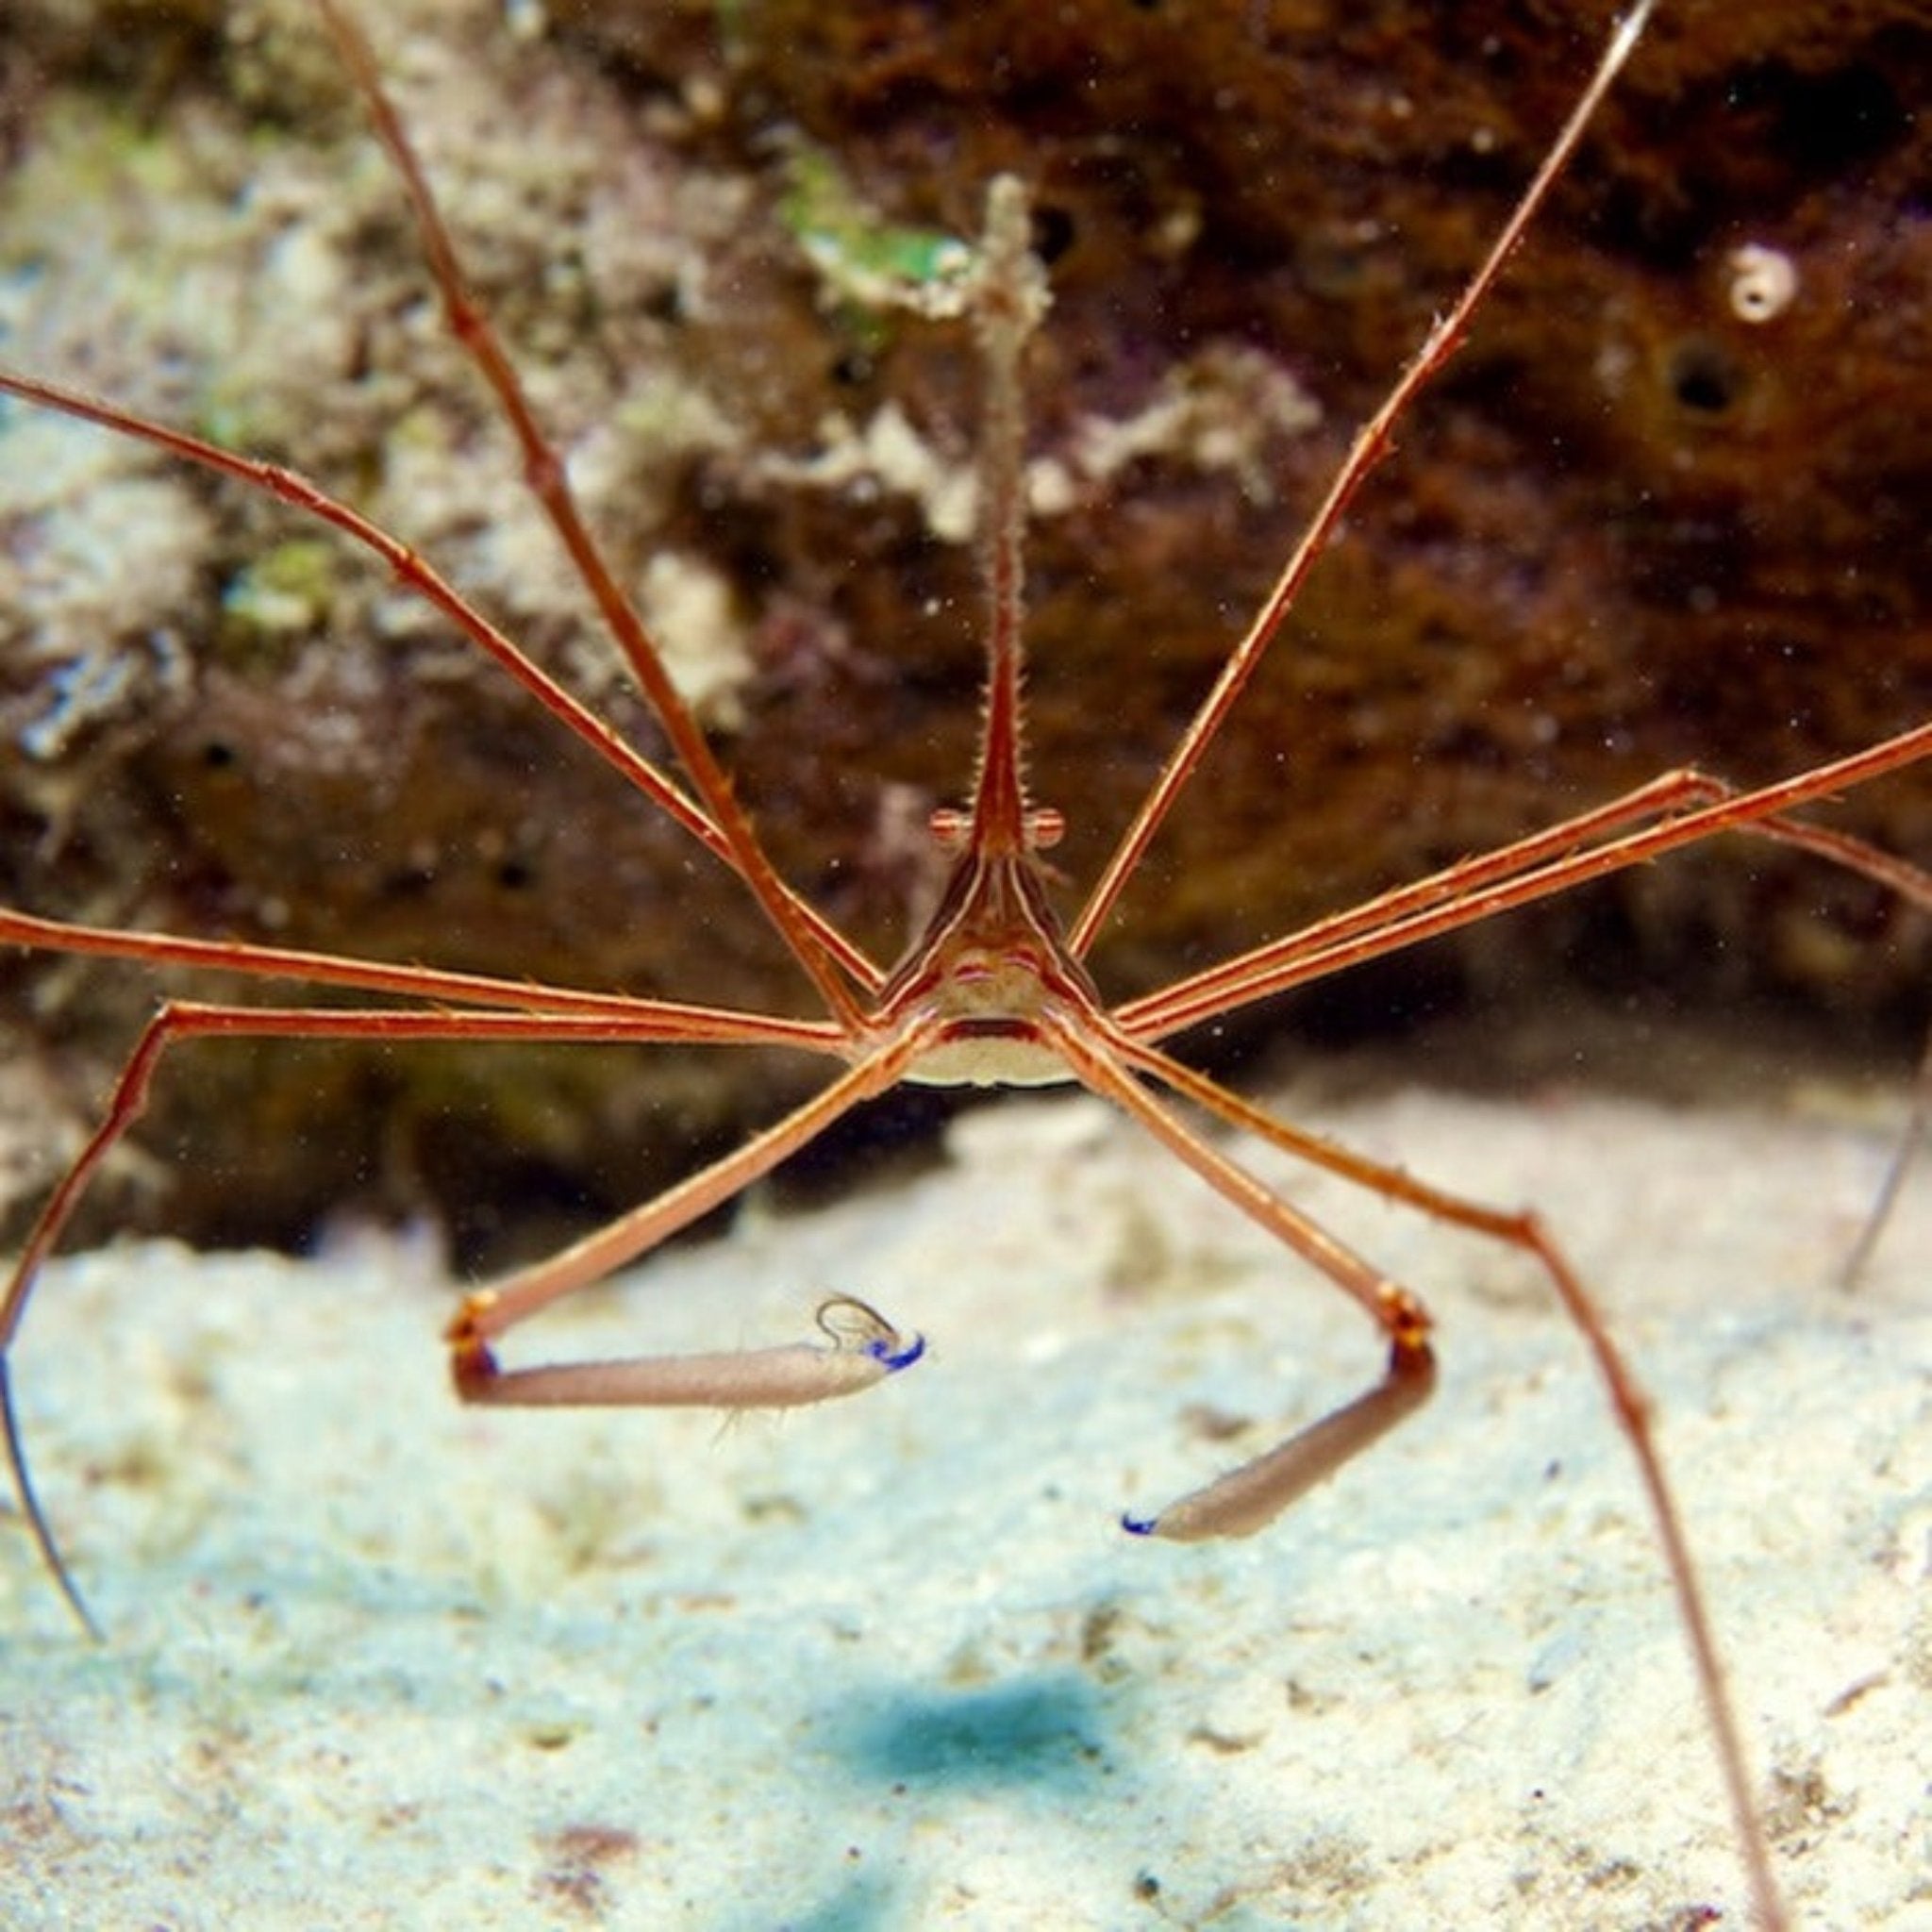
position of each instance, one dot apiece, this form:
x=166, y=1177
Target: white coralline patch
x=688, y=607
x=889, y=455
x=1215, y=411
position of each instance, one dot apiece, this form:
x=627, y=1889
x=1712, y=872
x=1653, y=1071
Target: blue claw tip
x=893, y=1359
x=1140, y=1526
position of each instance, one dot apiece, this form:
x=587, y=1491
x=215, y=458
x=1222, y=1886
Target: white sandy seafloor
x=376, y=1661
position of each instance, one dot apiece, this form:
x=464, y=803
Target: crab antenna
x=1010, y=298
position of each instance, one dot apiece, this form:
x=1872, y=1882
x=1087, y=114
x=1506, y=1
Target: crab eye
x=1045, y=827
x=948, y=826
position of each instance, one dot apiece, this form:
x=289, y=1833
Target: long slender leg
x=177, y=1020
x=860, y=1348
x=1918, y=1120
x=38, y=1526
x=1251, y=1495
x=1552, y=860
x=181, y=1019
x=1331, y=941
x=415, y=571
x=1362, y=455
x=549, y=483
x=658, y=1019
x=1296, y=1468
x=1607, y=838
x=490, y=1312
